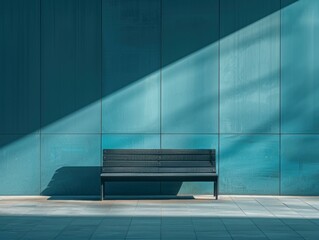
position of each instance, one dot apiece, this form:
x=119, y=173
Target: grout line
x=161, y=219
x=279, y=218
x=218, y=141
x=315, y=208
x=280, y=78
x=161, y=69
x=95, y=228
x=71, y=134
x=250, y=217
x=187, y=133
x=131, y=219
x=299, y=133
x=193, y=225
x=161, y=77
x=156, y=133
x=222, y=221
x=40, y=104
x=101, y=101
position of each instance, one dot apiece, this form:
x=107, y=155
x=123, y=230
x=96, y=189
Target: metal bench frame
x=159, y=165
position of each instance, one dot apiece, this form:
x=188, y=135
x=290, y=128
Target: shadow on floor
x=165, y=227
x=84, y=181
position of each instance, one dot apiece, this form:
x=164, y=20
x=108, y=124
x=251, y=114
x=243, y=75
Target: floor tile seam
x=161, y=215
x=251, y=220
x=128, y=227
x=294, y=211
x=20, y=237
x=192, y=221
x=282, y=220
x=317, y=209
x=231, y=236
x=61, y=231
x=31, y=230
x=265, y=207
x=221, y=219
x=137, y=203
x=96, y=227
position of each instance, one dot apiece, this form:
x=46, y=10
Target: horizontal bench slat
x=162, y=157
x=109, y=163
x=159, y=177
x=127, y=157
x=158, y=174
x=158, y=169
x=116, y=163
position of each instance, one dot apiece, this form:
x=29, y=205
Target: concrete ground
x=231, y=217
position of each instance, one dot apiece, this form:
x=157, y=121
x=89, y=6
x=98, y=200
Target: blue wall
x=239, y=76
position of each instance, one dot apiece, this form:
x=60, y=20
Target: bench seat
x=159, y=165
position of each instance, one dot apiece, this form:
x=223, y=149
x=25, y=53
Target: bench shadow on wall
x=68, y=182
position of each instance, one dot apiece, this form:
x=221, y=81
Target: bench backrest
x=159, y=160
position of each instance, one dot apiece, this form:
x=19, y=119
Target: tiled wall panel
x=300, y=67
x=249, y=66
x=70, y=164
x=190, y=66
x=20, y=164
x=131, y=66
x=19, y=66
x=249, y=164
x=71, y=66
x=300, y=165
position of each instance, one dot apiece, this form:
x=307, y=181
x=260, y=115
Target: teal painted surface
x=300, y=67
x=132, y=141
x=134, y=109
x=70, y=66
x=190, y=66
x=249, y=66
x=70, y=164
x=159, y=89
x=131, y=63
x=19, y=66
x=300, y=165
x=249, y=164
x=20, y=164
x=189, y=141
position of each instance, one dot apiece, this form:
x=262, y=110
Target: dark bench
x=159, y=165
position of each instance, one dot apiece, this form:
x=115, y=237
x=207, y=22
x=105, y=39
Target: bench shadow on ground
x=68, y=182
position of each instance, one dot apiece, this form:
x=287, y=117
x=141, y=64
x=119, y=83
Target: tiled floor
x=231, y=217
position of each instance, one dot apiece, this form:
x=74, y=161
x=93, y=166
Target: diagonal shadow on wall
x=52, y=78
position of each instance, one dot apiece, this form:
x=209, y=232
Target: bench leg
x=216, y=189
x=102, y=190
